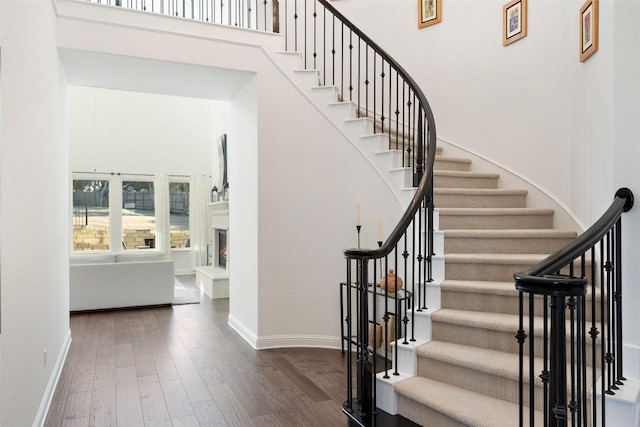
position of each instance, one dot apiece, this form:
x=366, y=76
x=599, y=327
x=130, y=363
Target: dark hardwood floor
x=184, y=366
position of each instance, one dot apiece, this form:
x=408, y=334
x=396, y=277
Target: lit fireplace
x=222, y=249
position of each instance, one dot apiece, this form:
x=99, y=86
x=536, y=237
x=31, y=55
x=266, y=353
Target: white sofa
x=105, y=281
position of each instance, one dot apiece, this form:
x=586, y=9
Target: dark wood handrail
x=426, y=114
x=536, y=275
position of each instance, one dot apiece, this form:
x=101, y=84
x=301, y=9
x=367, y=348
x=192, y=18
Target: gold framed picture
x=429, y=12
x=588, y=29
x=514, y=21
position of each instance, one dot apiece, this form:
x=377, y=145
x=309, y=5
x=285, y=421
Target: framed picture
x=514, y=21
x=588, y=29
x=429, y=12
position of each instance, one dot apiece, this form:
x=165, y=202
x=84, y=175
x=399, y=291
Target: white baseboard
x=184, y=271
x=283, y=341
x=288, y=341
x=41, y=416
x=243, y=331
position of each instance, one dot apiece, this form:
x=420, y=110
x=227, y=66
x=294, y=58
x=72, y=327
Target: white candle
x=358, y=213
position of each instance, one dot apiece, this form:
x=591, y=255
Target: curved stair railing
x=390, y=104
x=576, y=294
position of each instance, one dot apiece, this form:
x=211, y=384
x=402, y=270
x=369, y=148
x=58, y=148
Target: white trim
x=631, y=361
x=287, y=341
x=563, y=217
x=184, y=271
x=41, y=416
x=243, y=331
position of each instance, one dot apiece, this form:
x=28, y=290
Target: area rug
x=185, y=290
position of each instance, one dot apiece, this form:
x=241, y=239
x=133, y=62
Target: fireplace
x=222, y=249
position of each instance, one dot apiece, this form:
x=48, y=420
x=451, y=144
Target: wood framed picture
x=588, y=29
x=514, y=21
x=429, y=12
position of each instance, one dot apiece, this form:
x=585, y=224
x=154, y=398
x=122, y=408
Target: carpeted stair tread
x=500, y=322
x=479, y=191
x=530, y=241
x=464, y=406
x=492, y=362
x=465, y=174
x=494, y=211
x=512, y=233
x=452, y=159
x=509, y=259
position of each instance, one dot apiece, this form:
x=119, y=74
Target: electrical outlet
x=45, y=357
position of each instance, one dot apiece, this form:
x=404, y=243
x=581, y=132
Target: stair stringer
x=361, y=131
x=374, y=147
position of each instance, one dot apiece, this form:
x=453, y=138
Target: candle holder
x=379, y=245
x=358, y=227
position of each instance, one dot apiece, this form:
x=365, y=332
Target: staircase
x=468, y=373
x=466, y=367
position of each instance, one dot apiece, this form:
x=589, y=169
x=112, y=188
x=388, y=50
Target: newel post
x=365, y=369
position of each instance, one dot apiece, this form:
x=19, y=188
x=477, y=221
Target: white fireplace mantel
x=213, y=279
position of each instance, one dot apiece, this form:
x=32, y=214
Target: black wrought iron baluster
x=375, y=78
x=324, y=46
x=419, y=154
x=593, y=333
x=382, y=99
x=333, y=53
x=398, y=311
x=229, y=14
x=618, y=299
x=413, y=274
x=406, y=320
x=305, y=35
x=397, y=113
x=366, y=80
x=430, y=227
x=532, y=372
x=183, y=9
x=412, y=127
x=358, y=81
x=342, y=62
x=350, y=65
x=315, y=35
x=609, y=356
x=404, y=124
x=521, y=338
x=420, y=258
x=603, y=329
x=295, y=25
x=386, y=317
x=390, y=104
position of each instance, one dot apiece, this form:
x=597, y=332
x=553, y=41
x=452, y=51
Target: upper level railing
x=387, y=97
x=578, y=342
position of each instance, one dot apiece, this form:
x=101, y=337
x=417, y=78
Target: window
x=179, y=214
x=90, y=215
x=138, y=215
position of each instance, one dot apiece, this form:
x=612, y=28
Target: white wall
x=293, y=186
x=34, y=168
x=133, y=132
x=626, y=155
x=531, y=105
